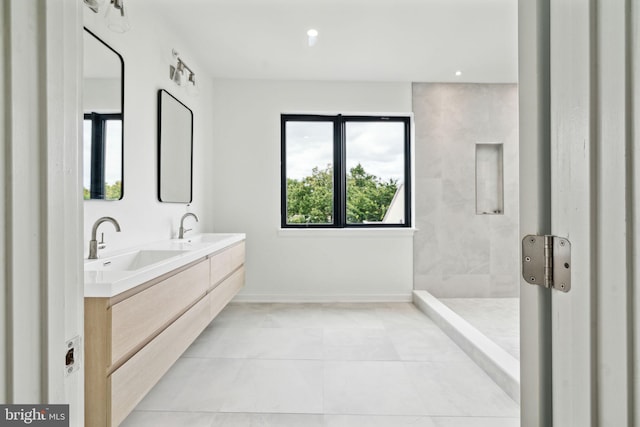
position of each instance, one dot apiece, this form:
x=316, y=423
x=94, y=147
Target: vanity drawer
x=138, y=318
x=133, y=380
x=237, y=255
x=223, y=263
x=225, y=291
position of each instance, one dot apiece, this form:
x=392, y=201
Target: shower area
x=466, y=249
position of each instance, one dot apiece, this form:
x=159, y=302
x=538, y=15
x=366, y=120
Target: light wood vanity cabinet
x=132, y=339
x=140, y=316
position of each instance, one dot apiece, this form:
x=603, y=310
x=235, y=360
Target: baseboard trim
x=296, y=298
x=502, y=367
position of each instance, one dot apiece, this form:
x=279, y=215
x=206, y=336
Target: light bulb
x=117, y=20
x=178, y=77
x=94, y=5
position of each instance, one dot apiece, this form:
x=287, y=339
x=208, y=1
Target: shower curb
x=502, y=367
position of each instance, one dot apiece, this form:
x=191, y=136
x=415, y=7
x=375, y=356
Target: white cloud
x=377, y=146
x=113, y=161
x=309, y=145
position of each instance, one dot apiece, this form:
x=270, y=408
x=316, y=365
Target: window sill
x=346, y=232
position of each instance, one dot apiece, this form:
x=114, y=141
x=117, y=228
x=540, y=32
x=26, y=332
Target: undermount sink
x=132, y=261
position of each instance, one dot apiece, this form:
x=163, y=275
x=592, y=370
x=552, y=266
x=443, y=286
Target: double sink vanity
x=144, y=307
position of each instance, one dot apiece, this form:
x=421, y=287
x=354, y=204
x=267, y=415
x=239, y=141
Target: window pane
x=113, y=160
x=375, y=164
x=309, y=171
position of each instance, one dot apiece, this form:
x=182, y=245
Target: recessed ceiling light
x=458, y=73
x=312, y=36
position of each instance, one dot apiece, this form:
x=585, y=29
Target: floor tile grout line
x=335, y=414
x=469, y=361
x=488, y=417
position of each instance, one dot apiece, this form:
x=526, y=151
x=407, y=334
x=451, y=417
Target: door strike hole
x=69, y=358
x=566, y=265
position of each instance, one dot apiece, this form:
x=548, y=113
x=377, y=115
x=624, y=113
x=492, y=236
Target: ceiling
x=364, y=40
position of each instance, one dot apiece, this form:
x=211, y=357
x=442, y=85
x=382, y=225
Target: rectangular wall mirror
x=175, y=149
x=103, y=106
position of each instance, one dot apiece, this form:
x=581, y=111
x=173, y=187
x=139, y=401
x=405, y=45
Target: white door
x=41, y=285
x=579, y=82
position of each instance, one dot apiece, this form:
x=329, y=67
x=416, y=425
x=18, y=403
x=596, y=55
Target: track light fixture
x=181, y=74
x=115, y=16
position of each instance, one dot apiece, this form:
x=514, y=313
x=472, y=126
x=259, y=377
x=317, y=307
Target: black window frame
x=339, y=168
x=98, y=153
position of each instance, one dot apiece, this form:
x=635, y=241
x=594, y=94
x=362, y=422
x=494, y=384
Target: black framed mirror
x=175, y=150
x=103, y=127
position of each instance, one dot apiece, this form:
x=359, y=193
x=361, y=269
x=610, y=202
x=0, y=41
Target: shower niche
x=489, y=179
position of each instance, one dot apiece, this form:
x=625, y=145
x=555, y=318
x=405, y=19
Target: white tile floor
x=497, y=318
x=324, y=365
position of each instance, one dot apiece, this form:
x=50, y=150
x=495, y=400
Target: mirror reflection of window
x=103, y=152
x=103, y=120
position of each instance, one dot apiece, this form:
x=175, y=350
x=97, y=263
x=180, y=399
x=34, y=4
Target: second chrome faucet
x=183, y=230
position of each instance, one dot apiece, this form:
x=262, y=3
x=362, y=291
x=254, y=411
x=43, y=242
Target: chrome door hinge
x=546, y=261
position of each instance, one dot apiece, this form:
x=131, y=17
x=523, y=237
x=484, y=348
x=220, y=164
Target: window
x=345, y=171
x=103, y=154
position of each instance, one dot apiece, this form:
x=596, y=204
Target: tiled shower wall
x=458, y=253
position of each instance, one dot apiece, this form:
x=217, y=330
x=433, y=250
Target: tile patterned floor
x=324, y=365
x=497, y=318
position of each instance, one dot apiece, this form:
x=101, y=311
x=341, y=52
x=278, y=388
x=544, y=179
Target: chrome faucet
x=182, y=229
x=93, y=243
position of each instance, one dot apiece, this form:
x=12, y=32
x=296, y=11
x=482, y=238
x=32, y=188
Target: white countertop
x=103, y=278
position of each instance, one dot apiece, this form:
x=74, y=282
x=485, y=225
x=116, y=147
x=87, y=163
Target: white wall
x=101, y=95
x=146, y=51
x=312, y=265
